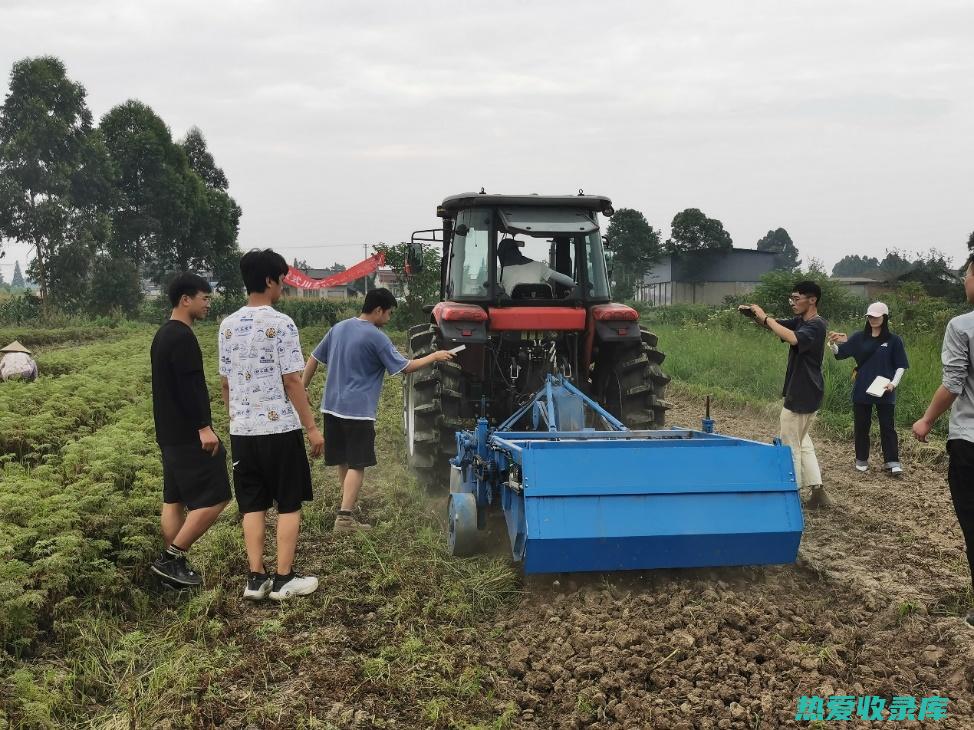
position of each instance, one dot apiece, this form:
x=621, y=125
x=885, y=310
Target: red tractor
x=524, y=287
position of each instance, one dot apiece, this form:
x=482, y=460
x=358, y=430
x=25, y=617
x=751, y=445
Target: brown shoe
x=348, y=523
x=819, y=499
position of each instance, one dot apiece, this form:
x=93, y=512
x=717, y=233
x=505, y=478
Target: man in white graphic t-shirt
x=260, y=367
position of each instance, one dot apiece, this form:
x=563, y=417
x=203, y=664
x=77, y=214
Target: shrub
x=837, y=304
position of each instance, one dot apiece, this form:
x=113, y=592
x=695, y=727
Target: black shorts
x=349, y=441
x=271, y=468
x=193, y=477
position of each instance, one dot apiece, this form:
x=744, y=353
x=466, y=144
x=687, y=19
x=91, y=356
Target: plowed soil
x=870, y=608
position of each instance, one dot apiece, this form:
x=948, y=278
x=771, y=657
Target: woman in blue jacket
x=877, y=352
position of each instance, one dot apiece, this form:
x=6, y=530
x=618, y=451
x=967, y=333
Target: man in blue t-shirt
x=358, y=355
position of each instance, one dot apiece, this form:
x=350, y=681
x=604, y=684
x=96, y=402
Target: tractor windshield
x=539, y=254
x=470, y=254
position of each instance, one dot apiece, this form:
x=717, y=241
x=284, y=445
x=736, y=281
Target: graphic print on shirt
x=257, y=346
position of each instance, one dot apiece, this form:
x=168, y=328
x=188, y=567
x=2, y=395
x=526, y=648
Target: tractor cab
x=508, y=250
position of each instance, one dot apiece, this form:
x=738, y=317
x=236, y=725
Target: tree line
x=633, y=245
x=932, y=271
x=102, y=207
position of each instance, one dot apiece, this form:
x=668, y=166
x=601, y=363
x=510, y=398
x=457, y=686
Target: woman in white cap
x=17, y=363
x=878, y=354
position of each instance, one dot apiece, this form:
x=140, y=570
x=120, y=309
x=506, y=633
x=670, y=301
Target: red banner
x=299, y=279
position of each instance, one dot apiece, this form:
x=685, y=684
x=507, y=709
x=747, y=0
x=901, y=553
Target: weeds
x=906, y=609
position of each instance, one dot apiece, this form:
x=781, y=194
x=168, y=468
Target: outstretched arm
x=421, y=362
x=765, y=320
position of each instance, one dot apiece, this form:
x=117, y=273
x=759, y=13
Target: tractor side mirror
x=414, y=258
x=461, y=230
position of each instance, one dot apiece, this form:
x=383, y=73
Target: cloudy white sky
x=343, y=123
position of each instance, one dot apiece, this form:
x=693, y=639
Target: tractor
x=552, y=412
x=524, y=288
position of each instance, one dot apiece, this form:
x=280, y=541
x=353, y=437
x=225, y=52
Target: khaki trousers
x=794, y=433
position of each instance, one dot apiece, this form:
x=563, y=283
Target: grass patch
x=746, y=367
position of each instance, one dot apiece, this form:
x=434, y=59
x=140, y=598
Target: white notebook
x=878, y=386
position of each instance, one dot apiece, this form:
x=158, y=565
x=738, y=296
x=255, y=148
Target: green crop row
x=77, y=531
x=96, y=381
x=87, y=640
x=39, y=336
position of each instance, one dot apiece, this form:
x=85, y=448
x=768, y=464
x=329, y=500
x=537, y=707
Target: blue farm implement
x=579, y=499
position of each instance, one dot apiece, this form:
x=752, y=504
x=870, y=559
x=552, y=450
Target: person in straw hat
x=17, y=363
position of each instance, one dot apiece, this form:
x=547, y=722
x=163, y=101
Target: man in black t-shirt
x=804, y=383
x=195, y=483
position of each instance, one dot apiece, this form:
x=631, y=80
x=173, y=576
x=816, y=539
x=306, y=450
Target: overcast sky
x=848, y=123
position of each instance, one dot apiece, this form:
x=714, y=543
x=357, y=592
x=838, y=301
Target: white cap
x=877, y=309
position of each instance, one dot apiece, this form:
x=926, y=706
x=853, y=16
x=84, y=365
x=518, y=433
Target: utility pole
x=365, y=279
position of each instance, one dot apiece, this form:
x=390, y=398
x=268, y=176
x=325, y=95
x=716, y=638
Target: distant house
x=863, y=287
x=333, y=292
x=704, y=277
x=152, y=288
x=386, y=277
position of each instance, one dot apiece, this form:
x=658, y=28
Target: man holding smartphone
x=804, y=386
x=358, y=355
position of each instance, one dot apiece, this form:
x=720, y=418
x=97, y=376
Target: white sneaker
x=896, y=469
x=862, y=465
x=298, y=585
x=258, y=587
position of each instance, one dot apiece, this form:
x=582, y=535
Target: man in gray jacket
x=956, y=392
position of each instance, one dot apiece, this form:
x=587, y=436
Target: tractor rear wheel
x=432, y=399
x=632, y=383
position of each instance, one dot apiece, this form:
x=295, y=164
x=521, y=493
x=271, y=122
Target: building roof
x=856, y=280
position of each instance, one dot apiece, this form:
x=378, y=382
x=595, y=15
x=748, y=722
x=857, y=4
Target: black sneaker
x=177, y=570
x=258, y=586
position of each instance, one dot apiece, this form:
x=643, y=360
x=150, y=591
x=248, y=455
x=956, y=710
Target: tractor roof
x=462, y=201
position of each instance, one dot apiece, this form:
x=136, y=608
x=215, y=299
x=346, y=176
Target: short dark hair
x=257, y=266
x=809, y=289
x=378, y=298
x=187, y=284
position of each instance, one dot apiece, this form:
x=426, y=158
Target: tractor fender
x=614, y=323
x=461, y=323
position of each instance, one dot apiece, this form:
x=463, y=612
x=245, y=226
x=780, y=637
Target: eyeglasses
x=794, y=299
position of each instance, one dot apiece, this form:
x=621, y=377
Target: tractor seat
x=532, y=291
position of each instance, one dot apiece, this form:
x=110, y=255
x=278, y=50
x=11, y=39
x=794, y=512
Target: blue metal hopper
x=615, y=499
